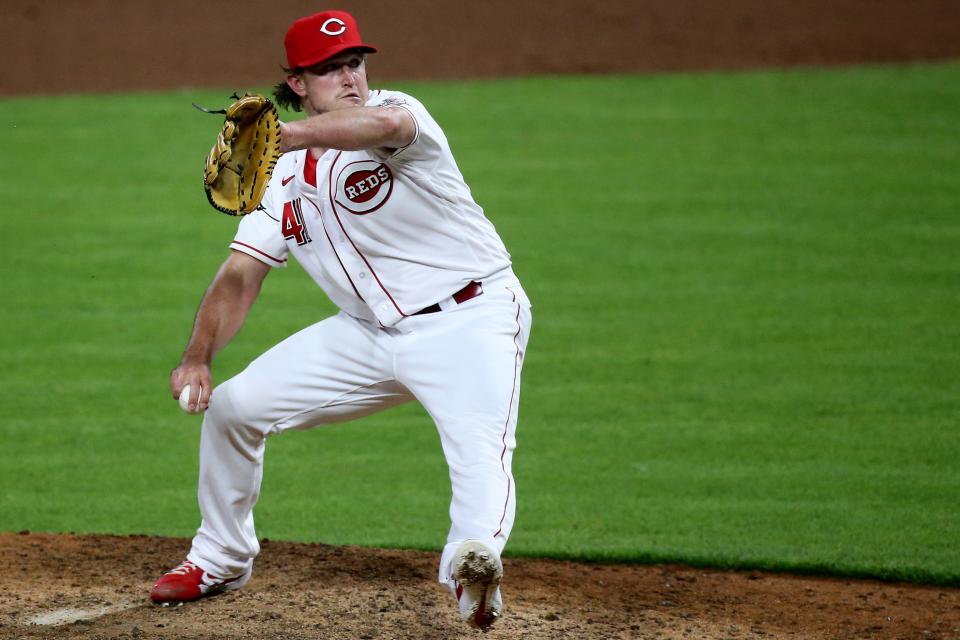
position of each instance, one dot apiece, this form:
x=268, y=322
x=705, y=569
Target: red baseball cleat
x=188, y=582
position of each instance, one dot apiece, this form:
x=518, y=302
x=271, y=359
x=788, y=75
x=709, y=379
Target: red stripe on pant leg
x=506, y=425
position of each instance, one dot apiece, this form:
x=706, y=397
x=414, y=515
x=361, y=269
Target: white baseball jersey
x=383, y=234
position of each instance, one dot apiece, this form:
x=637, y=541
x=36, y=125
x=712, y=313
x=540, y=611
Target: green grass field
x=746, y=347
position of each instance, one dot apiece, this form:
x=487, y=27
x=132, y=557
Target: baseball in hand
x=185, y=399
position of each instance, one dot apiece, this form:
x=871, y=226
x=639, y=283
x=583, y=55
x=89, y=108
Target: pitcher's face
x=333, y=84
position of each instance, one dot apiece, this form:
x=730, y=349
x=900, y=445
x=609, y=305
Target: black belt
x=469, y=292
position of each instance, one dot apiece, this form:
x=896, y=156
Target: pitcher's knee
x=231, y=410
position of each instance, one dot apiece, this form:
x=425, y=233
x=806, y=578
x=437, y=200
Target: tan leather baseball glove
x=241, y=161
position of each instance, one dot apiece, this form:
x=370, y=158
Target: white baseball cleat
x=477, y=571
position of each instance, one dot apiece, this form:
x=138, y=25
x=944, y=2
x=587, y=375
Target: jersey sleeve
x=259, y=235
x=428, y=142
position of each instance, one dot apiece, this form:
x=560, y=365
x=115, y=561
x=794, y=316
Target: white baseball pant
x=462, y=364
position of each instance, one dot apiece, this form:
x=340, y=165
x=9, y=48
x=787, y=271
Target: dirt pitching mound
x=71, y=586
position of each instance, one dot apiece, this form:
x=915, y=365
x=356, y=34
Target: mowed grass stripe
x=744, y=350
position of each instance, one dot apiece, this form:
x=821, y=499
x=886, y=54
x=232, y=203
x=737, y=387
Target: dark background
x=107, y=45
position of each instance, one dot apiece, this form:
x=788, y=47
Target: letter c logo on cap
x=334, y=31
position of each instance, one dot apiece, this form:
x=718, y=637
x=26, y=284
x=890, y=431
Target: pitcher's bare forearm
x=350, y=129
x=221, y=314
x=225, y=306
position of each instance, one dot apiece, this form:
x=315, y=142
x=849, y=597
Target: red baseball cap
x=321, y=36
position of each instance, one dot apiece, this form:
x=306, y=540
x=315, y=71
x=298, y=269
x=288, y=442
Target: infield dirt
x=105, y=45
x=67, y=586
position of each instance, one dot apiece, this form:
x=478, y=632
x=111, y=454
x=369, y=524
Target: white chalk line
x=69, y=615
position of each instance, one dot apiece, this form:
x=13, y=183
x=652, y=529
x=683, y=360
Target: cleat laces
x=184, y=568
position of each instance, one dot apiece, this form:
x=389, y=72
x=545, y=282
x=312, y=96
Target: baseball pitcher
x=368, y=198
